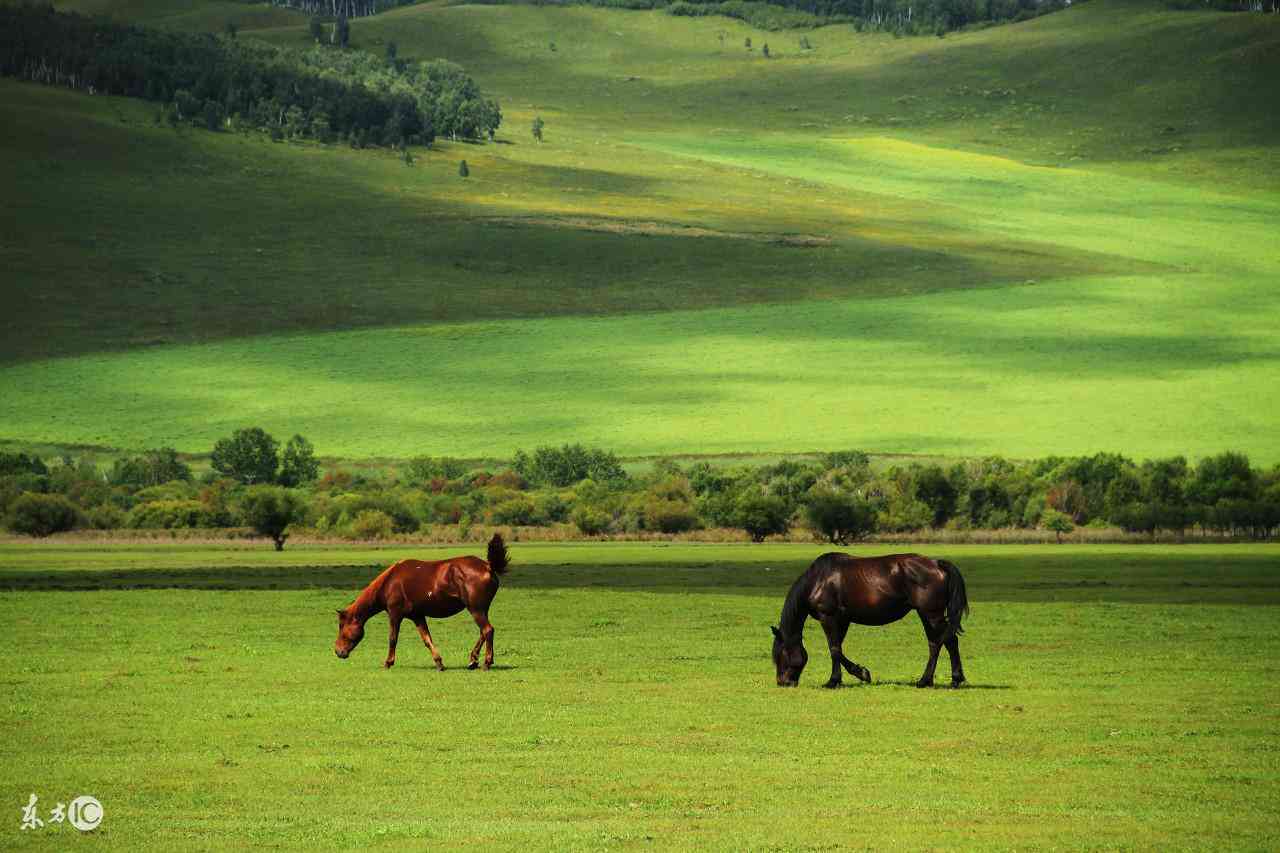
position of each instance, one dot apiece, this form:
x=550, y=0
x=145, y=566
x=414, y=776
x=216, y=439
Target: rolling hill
x=1049, y=237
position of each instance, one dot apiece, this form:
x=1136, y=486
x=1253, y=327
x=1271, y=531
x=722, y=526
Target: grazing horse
x=839, y=589
x=414, y=590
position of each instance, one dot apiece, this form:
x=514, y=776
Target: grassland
x=1121, y=697
x=956, y=246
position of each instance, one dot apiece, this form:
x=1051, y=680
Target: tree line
x=902, y=17
x=342, y=8
x=221, y=82
x=255, y=482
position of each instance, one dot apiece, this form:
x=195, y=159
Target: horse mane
x=795, y=609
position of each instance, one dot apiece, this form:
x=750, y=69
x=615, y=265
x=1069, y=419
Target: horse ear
x=341, y=611
x=776, y=633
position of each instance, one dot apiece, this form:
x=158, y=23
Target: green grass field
x=951, y=246
x=1120, y=697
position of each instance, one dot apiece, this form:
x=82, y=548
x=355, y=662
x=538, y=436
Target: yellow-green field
x=1049, y=237
x=1118, y=698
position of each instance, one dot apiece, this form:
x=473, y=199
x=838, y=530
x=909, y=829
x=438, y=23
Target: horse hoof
x=472, y=665
x=956, y=685
x=439, y=666
x=865, y=676
x=388, y=664
x=831, y=685
x=923, y=683
x=486, y=666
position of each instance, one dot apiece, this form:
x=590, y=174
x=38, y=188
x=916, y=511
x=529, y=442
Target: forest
x=573, y=491
x=326, y=93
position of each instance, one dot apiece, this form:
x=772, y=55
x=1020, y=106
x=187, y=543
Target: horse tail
x=957, y=599
x=498, y=558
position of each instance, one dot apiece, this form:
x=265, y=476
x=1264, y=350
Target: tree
x=538, y=124
x=230, y=29
x=342, y=32
x=249, y=456
x=840, y=517
x=391, y=52
x=150, y=469
x=463, y=171
x=316, y=28
x=765, y=50
x=298, y=464
x=747, y=43
x=1058, y=522
x=935, y=491
x=761, y=515
x=269, y=510
x=34, y=514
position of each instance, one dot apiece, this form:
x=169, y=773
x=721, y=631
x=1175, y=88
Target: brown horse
x=414, y=590
x=839, y=589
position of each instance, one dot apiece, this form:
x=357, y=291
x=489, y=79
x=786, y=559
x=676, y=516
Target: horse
x=840, y=589
x=414, y=590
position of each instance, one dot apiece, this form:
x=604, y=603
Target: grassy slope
x=634, y=707
x=941, y=170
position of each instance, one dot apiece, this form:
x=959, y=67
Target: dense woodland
x=254, y=483
x=342, y=8
x=326, y=93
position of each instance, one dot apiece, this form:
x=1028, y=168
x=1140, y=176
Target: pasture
x=1119, y=696
x=919, y=245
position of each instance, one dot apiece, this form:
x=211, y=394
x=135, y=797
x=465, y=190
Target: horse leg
x=423, y=632
x=957, y=669
x=486, y=640
x=933, y=628
x=395, y=635
x=835, y=630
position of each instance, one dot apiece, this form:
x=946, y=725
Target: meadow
x=1119, y=697
x=947, y=246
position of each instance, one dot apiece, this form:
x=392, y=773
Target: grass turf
x=634, y=705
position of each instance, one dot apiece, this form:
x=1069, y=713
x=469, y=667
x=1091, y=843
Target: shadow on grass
x=1160, y=578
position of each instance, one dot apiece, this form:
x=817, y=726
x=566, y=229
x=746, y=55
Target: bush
x=516, y=511
x=762, y=515
x=1058, y=522
x=564, y=466
x=167, y=515
x=839, y=517
x=424, y=469
x=40, y=515
x=271, y=510
x=591, y=522
x=370, y=524
x=106, y=517
x=669, y=516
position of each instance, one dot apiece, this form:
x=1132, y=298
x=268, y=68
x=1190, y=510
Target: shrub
x=370, y=524
x=564, y=466
x=270, y=511
x=762, y=515
x=424, y=469
x=1058, y=522
x=669, y=516
x=839, y=517
x=106, y=517
x=40, y=515
x=591, y=521
x=515, y=511
x=168, y=515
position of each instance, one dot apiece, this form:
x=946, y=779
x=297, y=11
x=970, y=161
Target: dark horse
x=839, y=589
x=414, y=590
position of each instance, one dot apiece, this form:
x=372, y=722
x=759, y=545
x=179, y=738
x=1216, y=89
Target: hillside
x=1055, y=236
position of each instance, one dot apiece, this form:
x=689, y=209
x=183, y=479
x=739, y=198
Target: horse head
x=350, y=633
x=789, y=658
